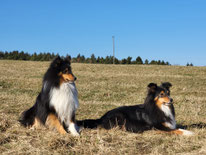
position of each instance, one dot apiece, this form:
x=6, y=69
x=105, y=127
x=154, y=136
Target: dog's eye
x=162, y=94
x=69, y=70
x=65, y=71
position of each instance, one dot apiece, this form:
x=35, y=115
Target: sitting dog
x=58, y=100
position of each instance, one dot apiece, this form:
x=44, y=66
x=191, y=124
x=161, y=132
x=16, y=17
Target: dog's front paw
x=186, y=132
x=76, y=134
x=74, y=129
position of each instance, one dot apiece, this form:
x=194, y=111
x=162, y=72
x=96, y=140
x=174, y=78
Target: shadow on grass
x=195, y=125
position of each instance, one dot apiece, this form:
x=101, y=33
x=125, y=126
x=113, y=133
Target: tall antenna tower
x=113, y=50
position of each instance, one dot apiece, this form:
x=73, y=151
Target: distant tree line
x=109, y=60
x=189, y=64
x=16, y=55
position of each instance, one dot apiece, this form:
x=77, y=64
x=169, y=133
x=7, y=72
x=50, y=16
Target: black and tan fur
x=58, y=100
x=156, y=112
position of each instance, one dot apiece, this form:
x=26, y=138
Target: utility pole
x=113, y=50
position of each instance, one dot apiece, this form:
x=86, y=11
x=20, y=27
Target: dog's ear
x=57, y=61
x=166, y=85
x=68, y=59
x=152, y=87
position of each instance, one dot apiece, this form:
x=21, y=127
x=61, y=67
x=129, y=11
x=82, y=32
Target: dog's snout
x=75, y=78
x=171, y=100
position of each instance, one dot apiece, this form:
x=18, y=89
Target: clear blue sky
x=170, y=30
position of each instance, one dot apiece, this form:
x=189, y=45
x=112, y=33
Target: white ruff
x=65, y=101
x=167, y=111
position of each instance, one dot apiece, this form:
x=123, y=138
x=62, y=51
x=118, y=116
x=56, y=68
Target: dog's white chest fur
x=64, y=100
x=167, y=111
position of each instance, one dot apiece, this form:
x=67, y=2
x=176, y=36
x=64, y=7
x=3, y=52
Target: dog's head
x=160, y=94
x=63, y=69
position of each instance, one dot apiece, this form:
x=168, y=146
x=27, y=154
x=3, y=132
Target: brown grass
x=101, y=88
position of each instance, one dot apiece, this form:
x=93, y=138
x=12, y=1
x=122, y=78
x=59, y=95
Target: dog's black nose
x=75, y=78
x=171, y=100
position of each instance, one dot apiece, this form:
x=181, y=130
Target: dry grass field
x=101, y=88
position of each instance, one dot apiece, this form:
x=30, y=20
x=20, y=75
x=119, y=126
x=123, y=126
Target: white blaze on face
x=65, y=101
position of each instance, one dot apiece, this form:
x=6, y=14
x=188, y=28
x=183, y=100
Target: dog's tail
x=89, y=123
x=28, y=116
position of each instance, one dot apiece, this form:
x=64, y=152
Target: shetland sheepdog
x=58, y=100
x=157, y=112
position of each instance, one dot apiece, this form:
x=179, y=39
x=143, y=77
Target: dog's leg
x=37, y=124
x=53, y=122
x=182, y=132
x=178, y=132
x=73, y=128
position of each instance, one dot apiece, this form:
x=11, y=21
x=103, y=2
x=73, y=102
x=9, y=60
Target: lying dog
x=156, y=112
